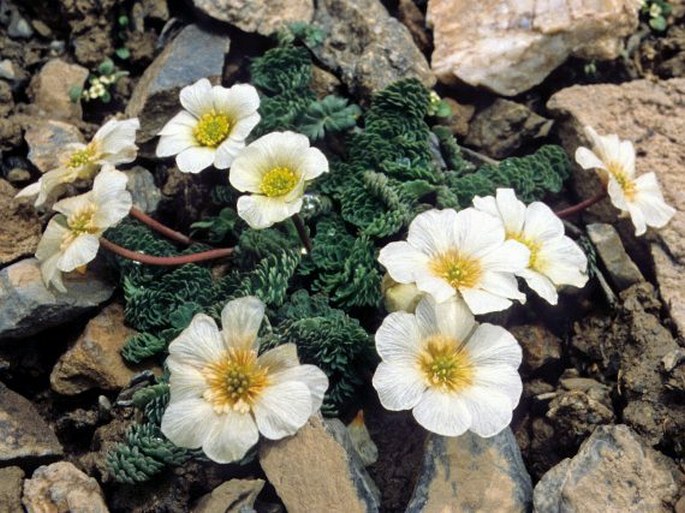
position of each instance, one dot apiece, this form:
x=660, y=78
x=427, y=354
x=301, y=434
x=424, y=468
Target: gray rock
x=141, y=184
x=501, y=128
x=11, y=479
x=7, y=70
x=234, y=496
x=470, y=473
x=613, y=471
x=28, y=307
x=17, y=26
x=317, y=468
x=192, y=55
x=262, y=16
x=621, y=268
x=46, y=140
x=23, y=432
x=366, y=47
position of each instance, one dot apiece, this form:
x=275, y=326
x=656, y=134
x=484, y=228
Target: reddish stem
x=159, y=227
x=579, y=207
x=156, y=260
x=302, y=232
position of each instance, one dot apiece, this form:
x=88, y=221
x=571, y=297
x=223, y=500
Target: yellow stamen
x=212, y=129
x=626, y=183
x=445, y=364
x=458, y=270
x=82, y=157
x=80, y=222
x=534, y=261
x=278, y=181
x=235, y=381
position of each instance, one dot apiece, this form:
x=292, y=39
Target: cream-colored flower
x=114, y=143
x=275, y=169
x=450, y=253
x=640, y=196
x=223, y=394
x=72, y=239
x=453, y=373
x=212, y=128
x=554, y=258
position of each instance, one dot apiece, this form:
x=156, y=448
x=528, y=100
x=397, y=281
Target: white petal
x=227, y=152
x=188, y=423
x=542, y=285
x=637, y=216
x=400, y=386
x=502, y=284
x=444, y=414
x=314, y=163
x=627, y=158
x=262, y=212
x=50, y=242
x=310, y=375
x=68, y=206
x=402, y=261
x=541, y=223
x=114, y=136
x=199, y=344
x=240, y=321
x=51, y=274
x=82, y=250
x=431, y=232
x=184, y=122
x=231, y=437
x=588, y=160
x=482, y=302
x=185, y=381
x=110, y=195
x=493, y=345
x=244, y=126
x=239, y=101
x=616, y=194
x=502, y=379
x=488, y=204
x=29, y=191
x=282, y=409
x=197, y=98
x=52, y=184
x=477, y=233
x=175, y=138
x=195, y=159
x=490, y=410
x=452, y=318
x=123, y=156
x=398, y=338
x=563, y=262
x=650, y=200
x=279, y=359
x=437, y=288
x=512, y=210
x=508, y=257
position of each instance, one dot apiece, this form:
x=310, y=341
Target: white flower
x=275, y=169
x=213, y=127
x=113, y=143
x=223, y=395
x=554, y=258
x=71, y=240
x=455, y=374
x=448, y=253
x=641, y=197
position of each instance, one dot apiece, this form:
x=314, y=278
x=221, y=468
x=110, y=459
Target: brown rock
x=324, y=83
x=412, y=17
x=262, y=16
x=510, y=46
x=11, y=479
x=462, y=114
x=23, y=433
x=233, y=496
x=49, y=90
x=46, y=139
x=21, y=226
x=94, y=361
x=652, y=115
x=317, y=470
x=62, y=488
x=540, y=346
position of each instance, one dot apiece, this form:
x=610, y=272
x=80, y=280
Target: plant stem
x=579, y=207
x=157, y=260
x=159, y=227
x=302, y=232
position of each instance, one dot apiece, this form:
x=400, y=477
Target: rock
x=674, y=365
x=49, y=90
x=470, y=473
x=6, y=99
x=462, y=113
x=317, y=469
x=234, y=496
x=46, y=138
x=613, y=471
x=156, y=9
x=28, y=307
x=21, y=227
x=23, y=433
x=412, y=17
x=620, y=267
x=324, y=83
x=141, y=184
x=62, y=488
x=501, y=128
x=11, y=479
x=362, y=441
x=17, y=26
x=366, y=47
x=510, y=46
x=656, y=125
x=541, y=347
x=192, y=55
x=263, y=17
x=7, y=70
x=94, y=361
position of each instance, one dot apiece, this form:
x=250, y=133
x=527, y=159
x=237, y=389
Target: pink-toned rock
x=49, y=90
x=21, y=226
x=262, y=16
x=510, y=46
x=652, y=115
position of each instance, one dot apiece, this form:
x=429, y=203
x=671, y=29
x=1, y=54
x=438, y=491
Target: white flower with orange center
x=640, y=196
x=554, y=258
x=212, y=128
x=114, y=143
x=275, y=169
x=223, y=393
x=72, y=239
x=453, y=373
x=464, y=253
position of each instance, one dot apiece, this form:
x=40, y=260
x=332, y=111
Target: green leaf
x=75, y=93
x=106, y=67
x=123, y=53
x=658, y=23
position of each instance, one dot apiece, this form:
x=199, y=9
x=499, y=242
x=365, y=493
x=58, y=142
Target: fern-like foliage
x=332, y=114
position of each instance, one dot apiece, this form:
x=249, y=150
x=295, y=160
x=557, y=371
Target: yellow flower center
x=235, y=381
x=457, y=270
x=278, y=181
x=82, y=157
x=80, y=222
x=534, y=247
x=445, y=364
x=626, y=183
x=212, y=129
